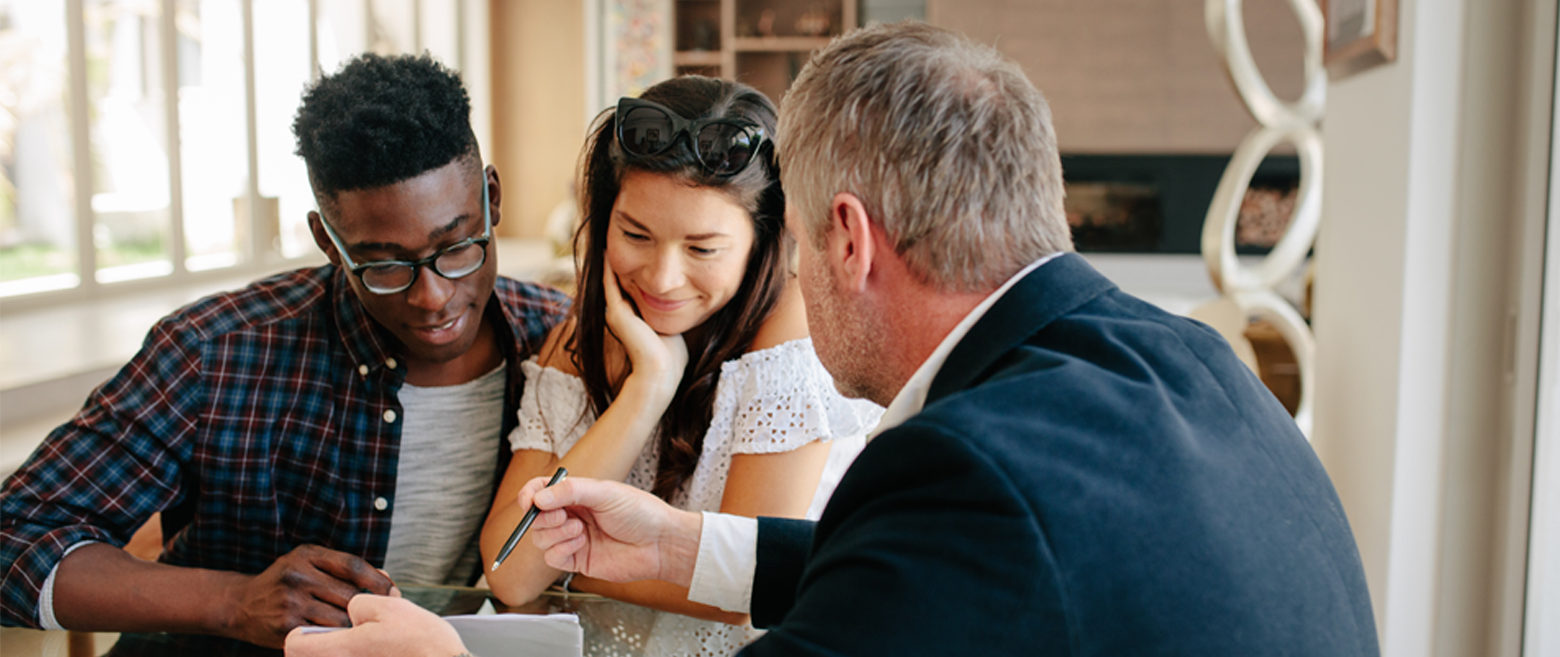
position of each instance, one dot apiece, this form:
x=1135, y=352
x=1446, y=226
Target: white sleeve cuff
x=46, y=592
x=728, y=554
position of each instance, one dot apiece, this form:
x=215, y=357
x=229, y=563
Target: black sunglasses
x=723, y=146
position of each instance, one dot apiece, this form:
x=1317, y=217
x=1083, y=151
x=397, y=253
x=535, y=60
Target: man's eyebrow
x=692, y=238
x=434, y=236
x=449, y=227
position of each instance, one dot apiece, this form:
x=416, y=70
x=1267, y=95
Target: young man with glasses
x=317, y=433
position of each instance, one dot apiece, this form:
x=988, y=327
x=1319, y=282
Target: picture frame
x=629, y=48
x=1358, y=34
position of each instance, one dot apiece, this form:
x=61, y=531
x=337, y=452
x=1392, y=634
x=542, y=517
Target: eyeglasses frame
x=431, y=262
x=686, y=128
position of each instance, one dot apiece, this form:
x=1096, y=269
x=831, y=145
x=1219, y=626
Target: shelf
x=696, y=58
x=780, y=44
x=762, y=43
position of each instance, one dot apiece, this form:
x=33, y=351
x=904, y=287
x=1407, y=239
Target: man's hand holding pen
x=612, y=531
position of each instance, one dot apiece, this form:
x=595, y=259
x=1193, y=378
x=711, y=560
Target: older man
x=1063, y=469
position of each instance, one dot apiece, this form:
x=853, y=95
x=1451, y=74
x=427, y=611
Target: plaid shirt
x=255, y=421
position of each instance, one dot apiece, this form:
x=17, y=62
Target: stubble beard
x=848, y=345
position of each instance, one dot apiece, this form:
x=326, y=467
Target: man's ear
x=490, y=178
x=321, y=239
x=850, y=245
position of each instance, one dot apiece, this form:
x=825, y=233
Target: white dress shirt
x=728, y=544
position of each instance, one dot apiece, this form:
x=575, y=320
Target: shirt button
x=390, y=415
x=380, y=504
x=363, y=370
x=390, y=363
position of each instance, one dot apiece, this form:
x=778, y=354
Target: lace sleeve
x=781, y=398
x=552, y=411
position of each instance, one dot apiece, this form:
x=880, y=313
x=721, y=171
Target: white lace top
x=768, y=401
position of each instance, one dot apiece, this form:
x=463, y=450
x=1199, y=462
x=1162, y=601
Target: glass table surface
x=611, y=628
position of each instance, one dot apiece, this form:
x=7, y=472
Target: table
x=612, y=628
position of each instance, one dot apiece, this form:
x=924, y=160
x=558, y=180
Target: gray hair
x=946, y=142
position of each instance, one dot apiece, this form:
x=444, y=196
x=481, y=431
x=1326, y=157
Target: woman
x=686, y=369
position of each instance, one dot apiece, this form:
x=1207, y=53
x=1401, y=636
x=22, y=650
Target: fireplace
x=1157, y=203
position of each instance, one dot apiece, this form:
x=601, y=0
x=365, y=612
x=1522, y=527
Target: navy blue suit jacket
x=1090, y=476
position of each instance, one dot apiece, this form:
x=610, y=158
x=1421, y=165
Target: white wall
x=1421, y=270
x=1133, y=76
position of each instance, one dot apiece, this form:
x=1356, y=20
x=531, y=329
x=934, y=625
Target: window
x=37, y=177
x=1541, y=633
x=147, y=142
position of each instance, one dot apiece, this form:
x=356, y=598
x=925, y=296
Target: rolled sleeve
x=34, y=556
x=46, y=599
x=102, y=474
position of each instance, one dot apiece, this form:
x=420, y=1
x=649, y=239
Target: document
x=531, y=635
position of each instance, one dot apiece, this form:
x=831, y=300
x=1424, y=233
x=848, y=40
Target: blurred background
x=146, y=160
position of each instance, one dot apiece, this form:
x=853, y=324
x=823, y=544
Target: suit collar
x=1034, y=302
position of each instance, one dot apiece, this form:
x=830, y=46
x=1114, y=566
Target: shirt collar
x=370, y=345
x=912, y=397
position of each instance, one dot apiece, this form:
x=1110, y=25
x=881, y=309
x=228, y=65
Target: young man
x=1063, y=469
x=302, y=433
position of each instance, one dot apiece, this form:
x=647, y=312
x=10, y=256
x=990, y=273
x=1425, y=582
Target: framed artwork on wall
x=1360, y=34
x=631, y=48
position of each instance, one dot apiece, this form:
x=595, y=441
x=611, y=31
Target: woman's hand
x=657, y=359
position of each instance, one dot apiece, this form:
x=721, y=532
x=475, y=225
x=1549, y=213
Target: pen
x=525, y=523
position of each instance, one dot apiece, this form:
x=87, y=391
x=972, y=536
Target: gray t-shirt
x=444, y=484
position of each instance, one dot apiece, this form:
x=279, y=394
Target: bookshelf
x=763, y=43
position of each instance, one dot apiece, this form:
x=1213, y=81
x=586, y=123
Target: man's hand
x=612, y=531
x=381, y=627
x=311, y=585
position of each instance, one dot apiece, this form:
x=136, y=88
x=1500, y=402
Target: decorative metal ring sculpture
x=1218, y=237
x=1296, y=122
x=1267, y=305
x=1227, y=31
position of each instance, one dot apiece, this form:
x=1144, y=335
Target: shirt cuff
x=46, y=592
x=728, y=554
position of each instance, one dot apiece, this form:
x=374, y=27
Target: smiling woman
x=686, y=369
x=679, y=250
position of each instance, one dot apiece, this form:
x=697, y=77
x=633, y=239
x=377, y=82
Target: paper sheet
x=501, y=635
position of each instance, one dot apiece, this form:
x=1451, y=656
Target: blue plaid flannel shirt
x=254, y=420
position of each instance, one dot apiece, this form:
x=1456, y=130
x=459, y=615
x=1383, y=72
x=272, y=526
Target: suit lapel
x=1048, y=292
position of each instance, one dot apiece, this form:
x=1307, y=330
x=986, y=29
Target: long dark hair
x=728, y=333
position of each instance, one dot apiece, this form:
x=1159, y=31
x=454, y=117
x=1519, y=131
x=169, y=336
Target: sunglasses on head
x=723, y=146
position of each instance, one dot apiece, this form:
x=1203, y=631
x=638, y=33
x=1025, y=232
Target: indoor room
x=1356, y=195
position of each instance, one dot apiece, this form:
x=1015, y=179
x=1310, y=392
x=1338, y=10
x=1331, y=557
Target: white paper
x=502, y=635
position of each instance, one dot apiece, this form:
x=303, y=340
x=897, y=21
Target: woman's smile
x=679, y=250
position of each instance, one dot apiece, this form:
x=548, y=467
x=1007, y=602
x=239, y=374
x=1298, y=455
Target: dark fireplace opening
x=1157, y=203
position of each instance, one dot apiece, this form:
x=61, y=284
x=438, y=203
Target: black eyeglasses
x=457, y=260
x=723, y=146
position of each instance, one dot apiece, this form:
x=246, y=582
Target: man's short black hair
x=381, y=120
